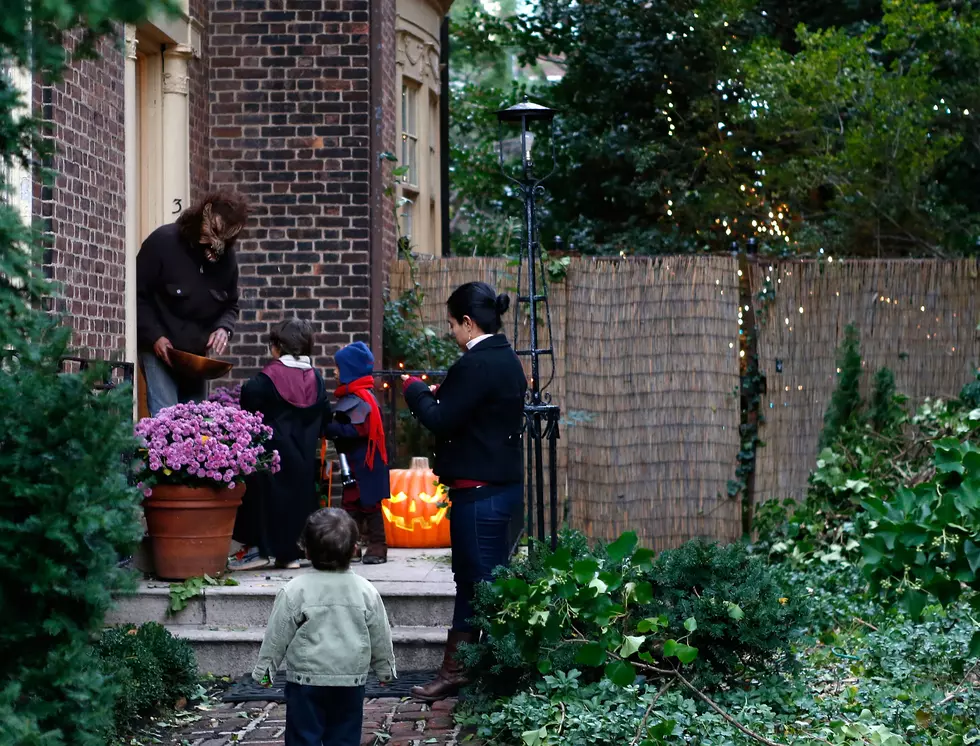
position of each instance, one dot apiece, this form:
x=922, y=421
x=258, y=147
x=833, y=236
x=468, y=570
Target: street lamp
x=541, y=416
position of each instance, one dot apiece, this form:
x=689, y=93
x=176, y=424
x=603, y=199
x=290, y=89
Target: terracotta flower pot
x=191, y=528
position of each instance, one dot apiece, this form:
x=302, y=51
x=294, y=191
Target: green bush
x=745, y=620
x=713, y=610
x=67, y=513
x=153, y=669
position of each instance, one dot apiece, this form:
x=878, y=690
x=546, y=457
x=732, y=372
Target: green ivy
x=924, y=542
x=181, y=593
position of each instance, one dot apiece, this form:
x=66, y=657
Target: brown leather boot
x=451, y=676
x=377, y=547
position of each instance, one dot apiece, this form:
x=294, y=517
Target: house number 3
x=178, y=206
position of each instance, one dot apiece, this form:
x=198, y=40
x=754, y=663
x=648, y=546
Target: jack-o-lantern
x=416, y=514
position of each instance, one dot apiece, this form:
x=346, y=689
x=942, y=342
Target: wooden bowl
x=195, y=366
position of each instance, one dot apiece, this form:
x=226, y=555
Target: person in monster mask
x=187, y=294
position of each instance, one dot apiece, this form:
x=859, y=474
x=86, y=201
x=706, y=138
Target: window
x=410, y=137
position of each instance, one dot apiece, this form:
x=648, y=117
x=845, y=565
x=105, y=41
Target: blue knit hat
x=354, y=361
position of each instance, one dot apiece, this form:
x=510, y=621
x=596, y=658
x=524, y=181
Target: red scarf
x=362, y=388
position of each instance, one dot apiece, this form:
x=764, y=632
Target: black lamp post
x=541, y=416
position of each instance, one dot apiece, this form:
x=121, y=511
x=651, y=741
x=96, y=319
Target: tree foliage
x=688, y=126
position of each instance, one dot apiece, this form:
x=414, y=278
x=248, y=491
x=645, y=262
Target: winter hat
x=354, y=361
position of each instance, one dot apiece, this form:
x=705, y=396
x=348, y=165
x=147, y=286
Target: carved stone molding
x=176, y=83
x=175, y=77
x=418, y=58
x=131, y=42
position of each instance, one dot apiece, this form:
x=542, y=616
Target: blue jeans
x=163, y=389
x=481, y=533
x=324, y=715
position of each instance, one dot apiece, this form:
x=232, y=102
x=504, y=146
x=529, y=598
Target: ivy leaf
x=949, y=456
x=544, y=665
x=734, y=611
x=643, y=593
x=652, y=623
x=622, y=548
x=872, y=554
x=972, y=553
x=621, y=673
x=690, y=624
x=914, y=602
x=683, y=653
x=585, y=569
x=631, y=644
x=643, y=558
x=535, y=737
x=974, y=650
x=591, y=654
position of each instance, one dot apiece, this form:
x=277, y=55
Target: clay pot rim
x=197, y=491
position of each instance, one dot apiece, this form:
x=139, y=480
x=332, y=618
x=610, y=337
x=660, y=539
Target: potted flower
x=194, y=458
x=228, y=396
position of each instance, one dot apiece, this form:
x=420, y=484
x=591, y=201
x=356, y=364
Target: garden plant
x=850, y=619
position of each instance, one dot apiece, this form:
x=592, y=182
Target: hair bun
x=502, y=303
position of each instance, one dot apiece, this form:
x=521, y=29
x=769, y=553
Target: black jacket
x=476, y=415
x=182, y=296
x=275, y=506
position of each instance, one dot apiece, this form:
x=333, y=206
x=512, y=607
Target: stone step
x=408, y=604
x=233, y=650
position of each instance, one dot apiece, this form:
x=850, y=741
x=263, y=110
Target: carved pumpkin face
x=416, y=513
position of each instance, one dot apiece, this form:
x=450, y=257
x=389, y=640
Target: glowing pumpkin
x=416, y=514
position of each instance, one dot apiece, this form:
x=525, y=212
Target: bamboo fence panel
x=917, y=317
x=652, y=367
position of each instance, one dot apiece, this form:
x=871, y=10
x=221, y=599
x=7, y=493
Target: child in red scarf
x=358, y=433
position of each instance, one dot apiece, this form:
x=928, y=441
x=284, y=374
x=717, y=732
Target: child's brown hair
x=329, y=538
x=293, y=337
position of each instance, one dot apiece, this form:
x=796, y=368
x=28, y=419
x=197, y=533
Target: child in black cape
x=291, y=396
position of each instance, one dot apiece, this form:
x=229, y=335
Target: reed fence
x=647, y=371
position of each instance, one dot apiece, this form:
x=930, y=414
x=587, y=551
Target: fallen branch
x=706, y=699
x=962, y=685
x=646, y=715
x=870, y=626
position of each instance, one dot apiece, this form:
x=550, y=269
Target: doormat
x=246, y=690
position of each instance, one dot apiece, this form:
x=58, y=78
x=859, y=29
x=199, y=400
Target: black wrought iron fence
x=405, y=437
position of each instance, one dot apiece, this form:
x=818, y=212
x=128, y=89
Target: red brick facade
x=290, y=93
x=84, y=210
x=287, y=106
x=199, y=118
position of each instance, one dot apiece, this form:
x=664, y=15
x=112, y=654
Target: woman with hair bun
x=476, y=415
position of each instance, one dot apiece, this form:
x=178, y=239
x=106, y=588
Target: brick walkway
x=387, y=722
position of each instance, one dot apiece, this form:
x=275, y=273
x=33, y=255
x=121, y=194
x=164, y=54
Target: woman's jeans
x=324, y=715
x=163, y=389
x=481, y=532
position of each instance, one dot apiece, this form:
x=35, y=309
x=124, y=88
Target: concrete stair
x=226, y=624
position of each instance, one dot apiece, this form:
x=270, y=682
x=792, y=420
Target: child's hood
x=298, y=386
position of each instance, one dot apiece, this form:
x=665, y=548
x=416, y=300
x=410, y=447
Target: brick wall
x=197, y=71
x=84, y=210
x=290, y=128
